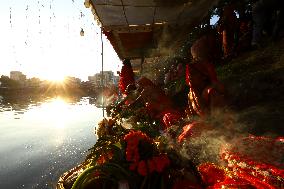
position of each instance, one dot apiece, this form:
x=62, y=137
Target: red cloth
x=200, y=77
x=126, y=78
x=170, y=117
x=204, y=69
x=185, y=184
x=192, y=130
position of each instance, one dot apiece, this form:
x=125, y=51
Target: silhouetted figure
x=266, y=15
x=228, y=26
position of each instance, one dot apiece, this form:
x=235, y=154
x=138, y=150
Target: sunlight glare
x=57, y=111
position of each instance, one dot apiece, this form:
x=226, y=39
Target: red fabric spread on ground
x=252, y=162
x=255, y=162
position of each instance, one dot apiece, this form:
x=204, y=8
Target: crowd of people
x=205, y=94
x=243, y=24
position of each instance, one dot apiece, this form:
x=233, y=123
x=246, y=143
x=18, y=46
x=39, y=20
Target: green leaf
x=118, y=144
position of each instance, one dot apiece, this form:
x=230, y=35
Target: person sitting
x=206, y=92
x=158, y=105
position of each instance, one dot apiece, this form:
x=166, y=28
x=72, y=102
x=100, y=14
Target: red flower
x=132, y=139
x=161, y=162
x=105, y=157
x=151, y=165
x=156, y=163
x=132, y=166
x=142, y=168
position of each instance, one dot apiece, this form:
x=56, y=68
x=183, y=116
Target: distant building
x=18, y=76
x=108, y=79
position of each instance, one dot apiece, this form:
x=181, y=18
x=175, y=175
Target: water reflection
x=41, y=137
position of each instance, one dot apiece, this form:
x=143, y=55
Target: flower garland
x=144, y=165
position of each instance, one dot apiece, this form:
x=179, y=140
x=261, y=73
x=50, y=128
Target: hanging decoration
x=27, y=31
x=82, y=33
x=39, y=18
x=38, y=12
x=11, y=17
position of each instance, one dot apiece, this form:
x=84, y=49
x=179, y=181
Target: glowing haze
x=42, y=39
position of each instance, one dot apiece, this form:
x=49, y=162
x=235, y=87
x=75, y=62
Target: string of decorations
x=27, y=31
x=11, y=28
x=81, y=16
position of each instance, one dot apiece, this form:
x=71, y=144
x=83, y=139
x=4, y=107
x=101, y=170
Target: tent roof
x=136, y=27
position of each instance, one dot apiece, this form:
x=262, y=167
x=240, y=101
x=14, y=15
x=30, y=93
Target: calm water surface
x=42, y=138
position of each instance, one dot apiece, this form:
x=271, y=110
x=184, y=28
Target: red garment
x=204, y=69
x=126, y=78
x=170, y=117
x=193, y=130
x=200, y=76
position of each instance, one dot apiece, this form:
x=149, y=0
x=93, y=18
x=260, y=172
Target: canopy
x=147, y=28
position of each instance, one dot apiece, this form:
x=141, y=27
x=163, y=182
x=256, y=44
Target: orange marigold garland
x=103, y=158
x=144, y=165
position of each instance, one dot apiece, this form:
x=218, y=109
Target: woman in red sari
x=206, y=92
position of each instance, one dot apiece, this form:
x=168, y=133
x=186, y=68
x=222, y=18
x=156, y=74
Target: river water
x=42, y=137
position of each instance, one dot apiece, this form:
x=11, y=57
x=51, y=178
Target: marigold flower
x=132, y=139
x=151, y=165
x=142, y=168
x=132, y=166
x=161, y=162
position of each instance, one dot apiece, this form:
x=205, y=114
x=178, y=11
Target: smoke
x=223, y=132
x=226, y=133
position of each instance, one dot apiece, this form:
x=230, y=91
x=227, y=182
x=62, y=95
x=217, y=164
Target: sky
x=41, y=38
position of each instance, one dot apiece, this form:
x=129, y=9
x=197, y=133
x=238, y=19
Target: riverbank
x=255, y=85
x=129, y=153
